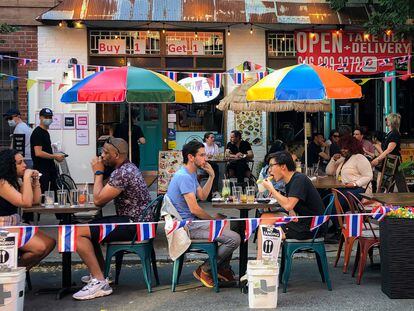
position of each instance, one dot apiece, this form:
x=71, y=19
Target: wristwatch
x=99, y=173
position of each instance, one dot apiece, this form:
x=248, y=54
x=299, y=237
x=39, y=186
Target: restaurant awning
x=265, y=12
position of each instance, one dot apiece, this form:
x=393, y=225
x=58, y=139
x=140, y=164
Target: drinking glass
x=250, y=191
x=82, y=196
x=74, y=197
x=49, y=198
x=90, y=198
x=62, y=196
x=237, y=191
x=225, y=191
x=243, y=197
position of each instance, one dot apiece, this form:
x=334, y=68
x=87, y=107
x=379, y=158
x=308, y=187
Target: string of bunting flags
x=145, y=231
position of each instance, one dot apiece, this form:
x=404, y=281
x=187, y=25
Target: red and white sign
x=82, y=121
x=111, y=46
x=351, y=53
x=140, y=46
x=182, y=47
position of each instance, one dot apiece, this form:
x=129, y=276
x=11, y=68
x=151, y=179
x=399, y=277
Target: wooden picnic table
x=398, y=198
x=327, y=182
x=244, y=209
x=67, y=213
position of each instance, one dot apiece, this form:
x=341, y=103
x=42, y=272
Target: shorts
x=119, y=234
x=12, y=220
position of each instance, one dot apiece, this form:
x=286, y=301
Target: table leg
x=243, y=254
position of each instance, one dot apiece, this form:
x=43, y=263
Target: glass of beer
x=250, y=193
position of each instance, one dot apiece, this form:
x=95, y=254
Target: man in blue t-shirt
x=183, y=192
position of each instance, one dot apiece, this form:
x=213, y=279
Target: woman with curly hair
x=20, y=187
x=351, y=167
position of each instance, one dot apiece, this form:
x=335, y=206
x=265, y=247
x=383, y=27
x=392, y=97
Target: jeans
x=228, y=242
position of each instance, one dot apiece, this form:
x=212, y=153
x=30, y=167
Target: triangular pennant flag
x=67, y=238
x=270, y=70
x=145, y=232
x=318, y=221
x=353, y=225
x=104, y=230
x=61, y=85
x=257, y=67
x=362, y=81
x=251, y=226
x=55, y=60
x=30, y=83
x=11, y=78
x=25, y=61
x=25, y=234
x=47, y=85
x=283, y=220
x=216, y=229
x=177, y=224
x=239, y=68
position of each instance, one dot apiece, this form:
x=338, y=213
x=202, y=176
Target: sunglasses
x=109, y=141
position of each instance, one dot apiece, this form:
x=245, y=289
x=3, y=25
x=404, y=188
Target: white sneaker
x=87, y=278
x=93, y=289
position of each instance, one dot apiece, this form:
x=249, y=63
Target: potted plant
x=397, y=253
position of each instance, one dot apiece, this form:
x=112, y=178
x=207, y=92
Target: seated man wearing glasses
x=127, y=188
x=301, y=198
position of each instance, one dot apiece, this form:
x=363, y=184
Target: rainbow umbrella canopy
x=303, y=83
x=127, y=84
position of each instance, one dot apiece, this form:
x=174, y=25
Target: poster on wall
x=169, y=162
x=352, y=53
x=82, y=137
x=250, y=124
x=57, y=122
x=69, y=121
x=82, y=121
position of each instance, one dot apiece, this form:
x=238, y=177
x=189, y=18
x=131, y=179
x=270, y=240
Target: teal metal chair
x=199, y=246
x=317, y=245
x=144, y=250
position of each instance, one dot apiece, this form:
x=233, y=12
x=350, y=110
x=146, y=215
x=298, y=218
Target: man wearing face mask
x=20, y=128
x=42, y=153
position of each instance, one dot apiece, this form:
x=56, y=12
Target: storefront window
x=281, y=44
x=194, y=43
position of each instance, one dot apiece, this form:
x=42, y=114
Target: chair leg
x=356, y=262
x=154, y=267
x=176, y=272
x=282, y=265
x=214, y=272
x=28, y=280
x=349, y=244
x=146, y=267
x=324, y=263
x=371, y=255
x=362, y=260
x=338, y=253
x=318, y=260
x=288, y=264
x=109, y=254
x=119, y=257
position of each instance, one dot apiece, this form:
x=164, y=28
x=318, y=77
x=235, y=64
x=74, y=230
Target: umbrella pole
x=306, y=142
x=129, y=133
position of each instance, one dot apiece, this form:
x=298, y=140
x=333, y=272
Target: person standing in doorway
x=20, y=128
x=137, y=136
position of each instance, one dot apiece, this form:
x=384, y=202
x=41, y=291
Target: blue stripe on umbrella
x=301, y=83
x=71, y=96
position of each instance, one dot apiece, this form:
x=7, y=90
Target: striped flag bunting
x=283, y=220
x=342, y=67
x=47, y=85
x=217, y=77
x=104, y=230
x=238, y=78
x=261, y=74
x=67, y=238
x=404, y=59
x=61, y=85
x=11, y=78
x=177, y=224
x=216, y=229
x=172, y=75
x=55, y=60
x=318, y=221
x=100, y=68
x=194, y=75
x=25, y=234
x=380, y=212
x=78, y=71
x=251, y=226
x=26, y=61
x=385, y=61
x=322, y=64
x=353, y=225
x=145, y=231
x=257, y=67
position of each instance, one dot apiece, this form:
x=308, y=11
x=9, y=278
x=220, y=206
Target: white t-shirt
x=211, y=150
x=23, y=128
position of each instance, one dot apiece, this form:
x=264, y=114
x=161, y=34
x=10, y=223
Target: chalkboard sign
x=19, y=142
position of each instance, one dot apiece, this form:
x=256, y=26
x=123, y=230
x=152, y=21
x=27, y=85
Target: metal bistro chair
x=144, y=249
x=317, y=245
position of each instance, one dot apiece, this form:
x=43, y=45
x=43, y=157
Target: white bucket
x=263, y=280
x=12, y=289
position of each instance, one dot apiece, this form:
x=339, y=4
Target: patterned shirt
x=134, y=198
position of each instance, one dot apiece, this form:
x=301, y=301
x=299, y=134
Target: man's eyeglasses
x=109, y=141
x=272, y=164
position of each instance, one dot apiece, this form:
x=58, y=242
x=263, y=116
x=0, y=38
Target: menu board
x=169, y=162
x=250, y=124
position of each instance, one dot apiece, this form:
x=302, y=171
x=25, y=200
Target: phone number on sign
x=347, y=64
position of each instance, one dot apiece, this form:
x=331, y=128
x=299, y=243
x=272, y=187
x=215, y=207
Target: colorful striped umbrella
x=304, y=82
x=127, y=84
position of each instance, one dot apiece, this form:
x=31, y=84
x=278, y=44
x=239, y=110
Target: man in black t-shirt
x=137, y=136
x=240, y=152
x=42, y=153
x=315, y=153
x=301, y=198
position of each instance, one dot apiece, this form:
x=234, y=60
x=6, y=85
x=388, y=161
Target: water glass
x=237, y=192
x=90, y=198
x=74, y=197
x=62, y=196
x=250, y=191
x=49, y=198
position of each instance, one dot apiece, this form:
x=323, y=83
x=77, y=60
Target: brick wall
x=24, y=43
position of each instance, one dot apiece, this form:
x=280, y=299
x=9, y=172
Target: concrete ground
x=305, y=292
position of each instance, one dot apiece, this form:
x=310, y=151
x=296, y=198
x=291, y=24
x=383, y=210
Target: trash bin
x=12, y=285
x=263, y=280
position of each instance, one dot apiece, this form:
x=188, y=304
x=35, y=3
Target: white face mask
x=12, y=123
x=47, y=122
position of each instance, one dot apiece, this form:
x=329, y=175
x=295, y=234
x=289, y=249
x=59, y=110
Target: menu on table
x=169, y=162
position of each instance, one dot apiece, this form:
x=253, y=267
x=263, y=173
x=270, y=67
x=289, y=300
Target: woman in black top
x=20, y=187
x=391, y=145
